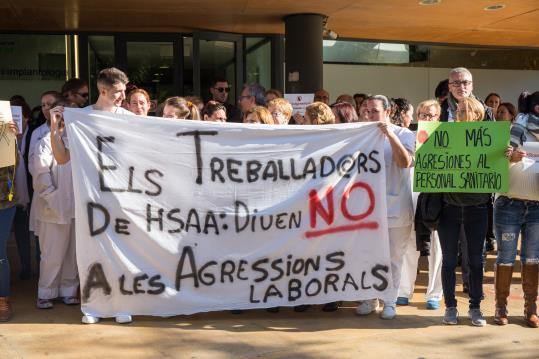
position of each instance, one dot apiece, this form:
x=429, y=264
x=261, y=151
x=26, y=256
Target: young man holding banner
x=399, y=149
x=111, y=84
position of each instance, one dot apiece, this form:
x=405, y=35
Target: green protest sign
x=461, y=157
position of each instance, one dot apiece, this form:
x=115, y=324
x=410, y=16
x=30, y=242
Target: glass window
x=483, y=58
x=150, y=65
x=434, y=56
x=188, y=87
x=217, y=59
x=258, y=60
x=365, y=52
x=100, y=56
x=31, y=65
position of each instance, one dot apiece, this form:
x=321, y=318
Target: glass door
x=151, y=62
x=217, y=55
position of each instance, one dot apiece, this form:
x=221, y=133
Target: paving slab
x=415, y=333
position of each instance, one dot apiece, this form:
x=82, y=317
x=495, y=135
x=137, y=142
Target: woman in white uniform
x=55, y=212
x=426, y=111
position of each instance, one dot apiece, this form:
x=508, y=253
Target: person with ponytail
x=516, y=213
x=403, y=112
x=179, y=108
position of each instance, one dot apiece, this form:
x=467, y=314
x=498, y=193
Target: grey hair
x=258, y=92
x=460, y=70
x=384, y=99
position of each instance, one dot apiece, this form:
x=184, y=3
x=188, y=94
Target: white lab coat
x=53, y=186
x=38, y=134
x=55, y=213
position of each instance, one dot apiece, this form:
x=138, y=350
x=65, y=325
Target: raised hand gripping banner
x=178, y=217
x=461, y=157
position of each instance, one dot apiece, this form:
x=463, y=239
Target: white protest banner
x=532, y=156
x=16, y=113
x=299, y=101
x=178, y=217
x=7, y=138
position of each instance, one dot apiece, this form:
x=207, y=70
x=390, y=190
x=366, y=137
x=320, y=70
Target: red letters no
x=346, y=195
x=315, y=206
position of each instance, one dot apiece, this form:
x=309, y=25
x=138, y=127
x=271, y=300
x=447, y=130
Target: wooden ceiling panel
x=451, y=21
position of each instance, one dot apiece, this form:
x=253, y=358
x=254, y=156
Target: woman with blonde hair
x=179, y=108
x=281, y=110
x=428, y=110
x=470, y=110
x=469, y=210
x=258, y=114
x=318, y=113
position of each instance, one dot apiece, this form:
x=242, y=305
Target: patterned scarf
x=524, y=122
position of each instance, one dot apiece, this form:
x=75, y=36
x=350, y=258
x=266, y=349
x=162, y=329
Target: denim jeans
x=474, y=219
x=22, y=237
x=6, y=220
x=511, y=218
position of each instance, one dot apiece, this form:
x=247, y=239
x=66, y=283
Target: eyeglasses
x=84, y=94
x=425, y=116
x=242, y=97
x=321, y=98
x=459, y=83
x=221, y=89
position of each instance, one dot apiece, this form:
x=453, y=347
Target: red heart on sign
x=422, y=136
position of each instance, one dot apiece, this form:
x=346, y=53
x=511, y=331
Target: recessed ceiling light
x=430, y=2
x=494, y=7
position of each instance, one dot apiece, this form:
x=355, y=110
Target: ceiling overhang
x=450, y=21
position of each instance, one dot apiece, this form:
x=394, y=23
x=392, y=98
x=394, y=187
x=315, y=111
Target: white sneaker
x=366, y=307
x=389, y=312
x=89, y=319
x=123, y=319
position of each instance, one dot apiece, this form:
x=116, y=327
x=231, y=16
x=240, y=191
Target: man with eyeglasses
x=460, y=86
x=76, y=91
x=252, y=95
x=219, y=89
x=322, y=95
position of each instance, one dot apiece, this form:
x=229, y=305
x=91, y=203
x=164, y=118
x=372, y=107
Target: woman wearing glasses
x=423, y=241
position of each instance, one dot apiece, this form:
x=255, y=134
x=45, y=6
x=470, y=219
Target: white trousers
x=409, y=269
x=58, y=276
x=398, y=240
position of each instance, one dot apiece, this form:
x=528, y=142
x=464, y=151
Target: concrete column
x=303, y=53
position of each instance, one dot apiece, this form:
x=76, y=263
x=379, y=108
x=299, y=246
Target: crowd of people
x=36, y=195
